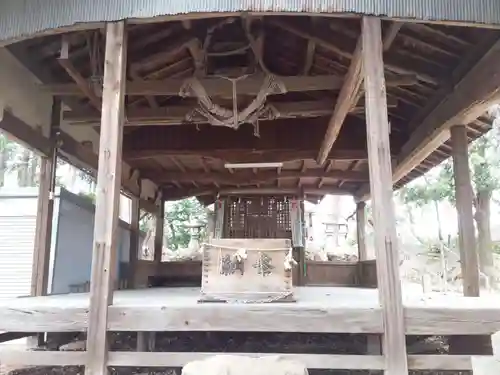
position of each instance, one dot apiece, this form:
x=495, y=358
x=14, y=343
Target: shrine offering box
x=247, y=271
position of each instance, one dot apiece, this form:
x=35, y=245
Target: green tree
x=7, y=149
x=177, y=216
x=484, y=161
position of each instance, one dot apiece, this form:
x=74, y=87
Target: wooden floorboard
x=318, y=309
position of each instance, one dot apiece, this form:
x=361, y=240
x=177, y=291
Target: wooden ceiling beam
x=345, y=101
x=246, y=155
x=218, y=87
x=249, y=177
x=178, y=115
x=83, y=85
x=173, y=194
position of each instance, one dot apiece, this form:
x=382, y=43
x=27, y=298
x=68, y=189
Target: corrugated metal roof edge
x=26, y=18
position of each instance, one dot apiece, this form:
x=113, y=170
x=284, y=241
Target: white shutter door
x=17, y=236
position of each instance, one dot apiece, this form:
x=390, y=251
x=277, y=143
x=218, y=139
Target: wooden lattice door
x=257, y=217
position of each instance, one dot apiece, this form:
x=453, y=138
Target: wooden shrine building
x=164, y=100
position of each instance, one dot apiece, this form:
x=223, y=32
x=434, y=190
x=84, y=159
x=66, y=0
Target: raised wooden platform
x=318, y=309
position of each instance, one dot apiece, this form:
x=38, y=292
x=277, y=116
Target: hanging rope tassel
x=240, y=255
x=289, y=261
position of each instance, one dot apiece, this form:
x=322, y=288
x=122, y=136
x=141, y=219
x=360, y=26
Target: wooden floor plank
x=318, y=309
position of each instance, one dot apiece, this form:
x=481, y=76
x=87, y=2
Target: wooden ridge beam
x=346, y=100
x=248, y=177
x=178, y=115
x=218, y=87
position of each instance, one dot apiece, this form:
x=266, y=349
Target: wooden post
x=379, y=157
x=464, y=200
x=44, y=217
x=361, y=231
x=107, y=198
x=134, y=241
x=46, y=191
x=159, y=231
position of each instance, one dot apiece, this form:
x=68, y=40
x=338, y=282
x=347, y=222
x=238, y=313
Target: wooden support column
x=159, y=231
x=107, y=198
x=464, y=201
x=44, y=217
x=379, y=156
x=134, y=241
x=361, y=230
x=43, y=233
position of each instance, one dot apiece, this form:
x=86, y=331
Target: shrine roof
x=300, y=60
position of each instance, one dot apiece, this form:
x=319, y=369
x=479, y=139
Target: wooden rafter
x=348, y=94
x=136, y=77
x=83, y=85
x=390, y=34
x=327, y=168
x=465, y=102
x=311, y=48
x=471, y=100
x=198, y=55
x=150, y=62
x=217, y=87
x=391, y=63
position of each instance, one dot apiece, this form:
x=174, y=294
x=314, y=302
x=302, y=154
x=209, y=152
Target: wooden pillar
x=379, y=157
x=45, y=209
x=159, y=231
x=464, y=201
x=134, y=242
x=45, y=212
x=361, y=230
x=107, y=198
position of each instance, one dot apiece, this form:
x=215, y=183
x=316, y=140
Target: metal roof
x=24, y=18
